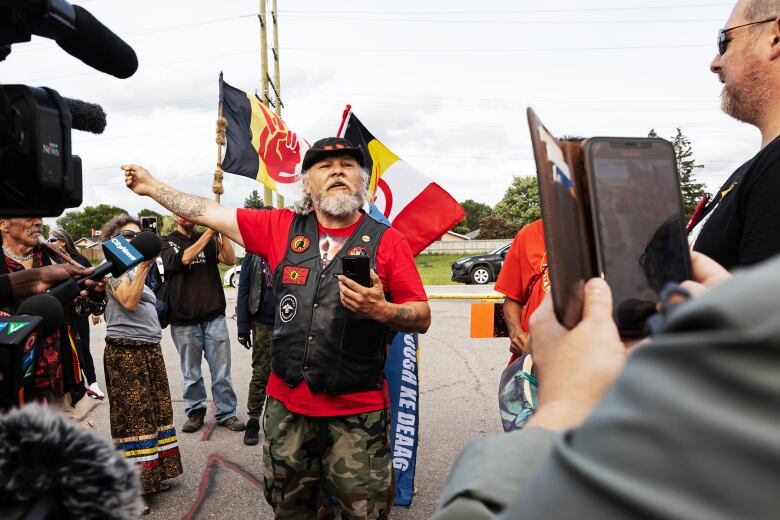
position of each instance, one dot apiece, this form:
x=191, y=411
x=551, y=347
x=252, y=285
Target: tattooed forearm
x=405, y=314
x=410, y=317
x=182, y=204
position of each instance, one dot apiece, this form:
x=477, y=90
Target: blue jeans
x=209, y=339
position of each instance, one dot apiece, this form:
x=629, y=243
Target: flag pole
x=347, y=110
x=217, y=187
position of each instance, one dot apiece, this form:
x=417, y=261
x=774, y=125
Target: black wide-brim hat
x=330, y=146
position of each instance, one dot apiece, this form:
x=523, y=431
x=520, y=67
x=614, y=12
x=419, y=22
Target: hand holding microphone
x=121, y=256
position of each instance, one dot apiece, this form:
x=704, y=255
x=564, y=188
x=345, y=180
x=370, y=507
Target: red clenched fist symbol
x=279, y=148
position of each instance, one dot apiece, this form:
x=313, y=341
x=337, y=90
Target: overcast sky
x=443, y=83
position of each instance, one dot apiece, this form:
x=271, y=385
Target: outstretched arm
x=199, y=210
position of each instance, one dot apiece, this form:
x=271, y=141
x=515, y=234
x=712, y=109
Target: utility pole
x=277, y=82
x=268, y=197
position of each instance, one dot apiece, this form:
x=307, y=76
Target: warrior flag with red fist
x=259, y=144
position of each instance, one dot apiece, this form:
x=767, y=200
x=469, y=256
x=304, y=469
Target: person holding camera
x=255, y=309
x=136, y=379
x=683, y=426
x=58, y=376
x=327, y=412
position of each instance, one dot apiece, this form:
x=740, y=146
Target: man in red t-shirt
x=525, y=281
x=327, y=415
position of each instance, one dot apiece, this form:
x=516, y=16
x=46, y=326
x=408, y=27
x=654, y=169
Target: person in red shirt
x=525, y=281
x=327, y=414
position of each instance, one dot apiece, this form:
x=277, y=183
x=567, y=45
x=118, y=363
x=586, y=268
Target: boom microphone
x=48, y=460
x=121, y=256
x=88, y=117
x=95, y=44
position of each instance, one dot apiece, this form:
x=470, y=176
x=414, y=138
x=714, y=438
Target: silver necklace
x=18, y=258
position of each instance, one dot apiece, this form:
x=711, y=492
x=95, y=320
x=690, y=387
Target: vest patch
x=300, y=243
x=288, y=308
x=292, y=275
x=358, y=251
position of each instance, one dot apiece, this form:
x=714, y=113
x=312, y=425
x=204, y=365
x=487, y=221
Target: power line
x=49, y=44
x=514, y=11
x=474, y=21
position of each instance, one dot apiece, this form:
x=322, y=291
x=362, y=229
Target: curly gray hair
x=110, y=228
x=306, y=204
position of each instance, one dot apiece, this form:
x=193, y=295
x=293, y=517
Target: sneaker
x=194, y=421
x=233, y=424
x=95, y=392
x=252, y=433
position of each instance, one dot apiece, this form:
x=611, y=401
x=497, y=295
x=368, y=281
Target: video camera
x=38, y=316
x=39, y=176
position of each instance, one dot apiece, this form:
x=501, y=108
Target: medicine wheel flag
x=259, y=144
x=416, y=206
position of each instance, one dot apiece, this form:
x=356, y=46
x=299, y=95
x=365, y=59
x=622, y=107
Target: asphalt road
x=458, y=402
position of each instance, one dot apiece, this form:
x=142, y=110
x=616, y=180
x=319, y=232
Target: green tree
x=80, y=223
x=475, y=211
x=520, y=203
x=496, y=226
x=692, y=191
x=254, y=201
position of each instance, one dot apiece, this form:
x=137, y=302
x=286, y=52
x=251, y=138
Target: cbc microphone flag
x=259, y=144
x=417, y=207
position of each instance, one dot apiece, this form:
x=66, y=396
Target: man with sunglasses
x=196, y=312
x=740, y=226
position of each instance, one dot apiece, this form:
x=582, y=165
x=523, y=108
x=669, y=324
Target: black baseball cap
x=331, y=146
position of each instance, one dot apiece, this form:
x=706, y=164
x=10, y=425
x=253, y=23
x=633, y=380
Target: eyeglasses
x=53, y=239
x=723, y=41
x=127, y=233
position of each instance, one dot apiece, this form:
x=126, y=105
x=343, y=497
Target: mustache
x=35, y=230
x=337, y=181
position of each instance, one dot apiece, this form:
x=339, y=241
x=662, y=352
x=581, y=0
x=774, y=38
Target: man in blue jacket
x=255, y=312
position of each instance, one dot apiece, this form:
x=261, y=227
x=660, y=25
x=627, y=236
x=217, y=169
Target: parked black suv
x=479, y=269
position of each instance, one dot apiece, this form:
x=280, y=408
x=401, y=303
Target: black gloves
x=246, y=340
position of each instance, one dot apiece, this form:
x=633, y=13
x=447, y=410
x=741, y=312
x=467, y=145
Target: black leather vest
x=315, y=337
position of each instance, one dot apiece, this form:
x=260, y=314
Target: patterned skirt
x=141, y=414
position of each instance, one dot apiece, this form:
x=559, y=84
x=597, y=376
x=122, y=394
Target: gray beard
x=338, y=205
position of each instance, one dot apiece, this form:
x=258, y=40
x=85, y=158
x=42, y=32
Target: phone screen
x=639, y=223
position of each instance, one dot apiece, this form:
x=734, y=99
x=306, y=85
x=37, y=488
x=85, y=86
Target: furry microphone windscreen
x=43, y=454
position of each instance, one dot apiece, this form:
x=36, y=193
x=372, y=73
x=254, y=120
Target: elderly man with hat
x=327, y=415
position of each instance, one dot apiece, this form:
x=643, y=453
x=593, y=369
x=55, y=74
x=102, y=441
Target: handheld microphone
x=121, y=256
x=95, y=44
x=39, y=315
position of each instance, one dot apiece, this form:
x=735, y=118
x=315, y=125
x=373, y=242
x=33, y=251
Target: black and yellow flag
x=259, y=144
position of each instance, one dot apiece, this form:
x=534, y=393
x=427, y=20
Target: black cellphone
x=357, y=268
x=638, y=223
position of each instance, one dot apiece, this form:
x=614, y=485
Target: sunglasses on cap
x=723, y=40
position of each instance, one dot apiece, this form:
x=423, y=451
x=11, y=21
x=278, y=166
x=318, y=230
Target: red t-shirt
x=524, y=270
x=266, y=233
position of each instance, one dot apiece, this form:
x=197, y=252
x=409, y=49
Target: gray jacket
x=690, y=430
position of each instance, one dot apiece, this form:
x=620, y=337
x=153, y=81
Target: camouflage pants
x=347, y=458
x=261, y=369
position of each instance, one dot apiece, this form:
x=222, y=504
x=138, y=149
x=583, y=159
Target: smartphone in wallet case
x=611, y=208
